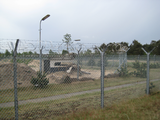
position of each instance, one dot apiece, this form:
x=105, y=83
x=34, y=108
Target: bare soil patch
x=34, y=65
x=84, y=75
x=24, y=75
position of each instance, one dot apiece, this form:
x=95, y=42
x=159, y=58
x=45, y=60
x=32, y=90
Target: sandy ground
x=34, y=65
x=85, y=75
x=25, y=73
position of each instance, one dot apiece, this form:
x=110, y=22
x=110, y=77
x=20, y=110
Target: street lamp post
x=40, y=49
x=78, y=50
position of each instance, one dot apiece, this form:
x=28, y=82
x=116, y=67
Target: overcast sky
x=92, y=21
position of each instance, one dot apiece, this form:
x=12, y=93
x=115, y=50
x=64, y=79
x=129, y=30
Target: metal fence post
x=154, y=59
x=15, y=79
x=148, y=73
x=102, y=79
x=125, y=57
x=78, y=66
x=147, y=82
x=40, y=57
x=138, y=57
x=78, y=63
x=125, y=64
x=102, y=75
x=119, y=62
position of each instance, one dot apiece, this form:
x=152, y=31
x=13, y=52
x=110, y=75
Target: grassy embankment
x=143, y=108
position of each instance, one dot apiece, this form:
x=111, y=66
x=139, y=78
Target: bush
x=40, y=81
x=157, y=65
x=123, y=72
x=140, y=69
x=67, y=79
x=105, y=63
x=91, y=62
x=137, y=65
x=151, y=86
x=25, y=61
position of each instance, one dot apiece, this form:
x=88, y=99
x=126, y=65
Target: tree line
x=134, y=49
x=7, y=53
x=112, y=48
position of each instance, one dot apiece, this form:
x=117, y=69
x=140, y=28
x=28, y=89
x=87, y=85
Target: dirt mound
x=111, y=75
x=24, y=75
x=34, y=65
x=84, y=75
x=59, y=77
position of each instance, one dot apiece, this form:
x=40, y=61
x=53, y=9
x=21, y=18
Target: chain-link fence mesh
x=70, y=82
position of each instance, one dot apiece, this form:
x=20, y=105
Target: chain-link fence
x=48, y=86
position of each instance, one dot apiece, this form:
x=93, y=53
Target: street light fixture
x=40, y=49
x=45, y=17
x=77, y=40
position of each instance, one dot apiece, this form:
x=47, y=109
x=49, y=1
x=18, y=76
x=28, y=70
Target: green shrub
x=105, y=63
x=136, y=64
x=25, y=61
x=40, y=81
x=140, y=69
x=157, y=65
x=91, y=62
x=151, y=86
x=123, y=72
x=67, y=79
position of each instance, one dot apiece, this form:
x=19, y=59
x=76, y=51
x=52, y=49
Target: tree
x=35, y=53
x=1, y=54
x=155, y=44
x=88, y=52
x=30, y=53
x=40, y=81
x=148, y=47
x=112, y=47
x=52, y=53
x=135, y=48
x=7, y=53
x=64, y=52
x=67, y=40
x=157, y=50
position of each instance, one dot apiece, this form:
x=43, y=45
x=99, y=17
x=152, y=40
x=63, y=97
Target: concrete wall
x=49, y=65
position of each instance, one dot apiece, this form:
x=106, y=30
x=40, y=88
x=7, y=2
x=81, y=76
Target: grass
x=154, y=73
x=58, y=89
x=87, y=106
x=143, y=108
x=24, y=93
